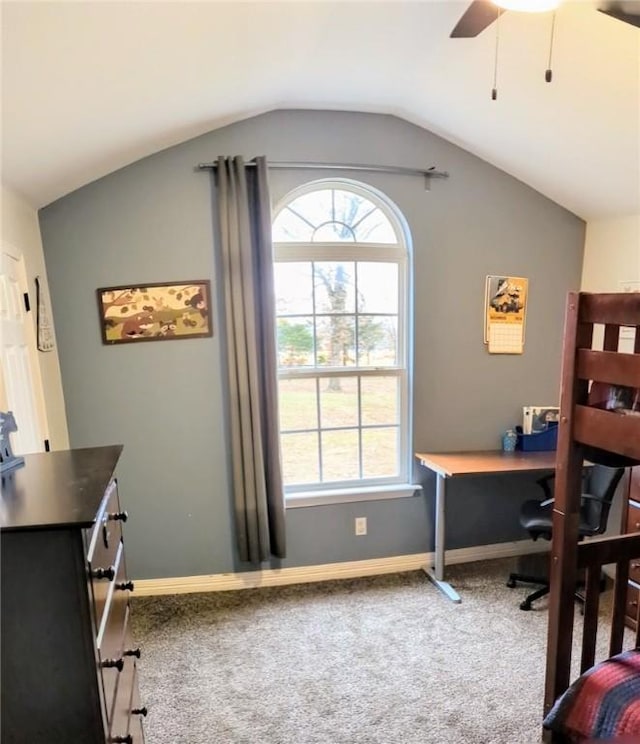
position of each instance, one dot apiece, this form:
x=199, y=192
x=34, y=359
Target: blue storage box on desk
x=540, y=441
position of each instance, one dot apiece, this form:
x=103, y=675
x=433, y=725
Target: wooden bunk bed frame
x=598, y=435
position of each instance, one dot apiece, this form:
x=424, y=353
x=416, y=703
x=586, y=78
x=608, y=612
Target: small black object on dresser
x=68, y=663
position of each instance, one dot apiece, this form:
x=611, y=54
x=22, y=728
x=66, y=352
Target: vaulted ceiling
x=88, y=87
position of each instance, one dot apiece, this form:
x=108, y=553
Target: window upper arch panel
x=334, y=214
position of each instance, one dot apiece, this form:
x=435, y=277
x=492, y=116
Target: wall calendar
x=505, y=311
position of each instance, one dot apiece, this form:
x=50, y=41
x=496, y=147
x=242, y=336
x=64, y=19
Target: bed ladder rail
x=601, y=428
x=592, y=426
x=612, y=308
x=592, y=555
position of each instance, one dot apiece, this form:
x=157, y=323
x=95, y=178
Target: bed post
x=595, y=424
x=564, y=544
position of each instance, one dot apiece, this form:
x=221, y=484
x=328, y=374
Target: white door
x=20, y=382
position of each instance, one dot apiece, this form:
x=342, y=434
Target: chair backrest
x=602, y=482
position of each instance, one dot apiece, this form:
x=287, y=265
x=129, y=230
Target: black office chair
x=598, y=488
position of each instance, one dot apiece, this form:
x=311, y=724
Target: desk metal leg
x=436, y=574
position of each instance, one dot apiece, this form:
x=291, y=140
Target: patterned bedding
x=603, y=703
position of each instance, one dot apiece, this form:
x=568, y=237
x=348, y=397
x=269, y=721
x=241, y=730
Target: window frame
x=398, y=253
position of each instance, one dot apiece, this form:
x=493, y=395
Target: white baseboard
x=328, y=571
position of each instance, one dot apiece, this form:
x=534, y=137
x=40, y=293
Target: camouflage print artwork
x=155, y=312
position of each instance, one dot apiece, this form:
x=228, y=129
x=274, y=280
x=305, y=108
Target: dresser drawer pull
x=104, y=573
x=635, y=565
x=113, y=664
x=132, y=652
x=634, y=603
x=119, y=516
x=128, y=739
x=128, y=585
x=140, y=711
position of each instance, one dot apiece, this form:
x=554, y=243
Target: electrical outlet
x=361, y=525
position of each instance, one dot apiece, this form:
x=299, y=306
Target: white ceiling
x=88, y=87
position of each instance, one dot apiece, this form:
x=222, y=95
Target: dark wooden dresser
x=631, y=523
x=68, y=664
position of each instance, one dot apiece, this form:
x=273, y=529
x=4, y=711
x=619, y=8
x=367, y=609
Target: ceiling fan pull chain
x=548, y=75
x=494, y=90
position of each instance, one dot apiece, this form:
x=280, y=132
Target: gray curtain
x=244, y=213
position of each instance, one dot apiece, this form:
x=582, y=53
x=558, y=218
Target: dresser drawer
x=110, y=640
x=127, y=710
x=631, y=609
x=634, y=570
x=138, y=712
x=106, y=531
x=633, y=517
x=634, y=484
x=123, y=703
x=128, y=713
x=105, y=539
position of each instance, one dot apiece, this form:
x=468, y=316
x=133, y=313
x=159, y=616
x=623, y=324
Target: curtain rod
x=427, y=174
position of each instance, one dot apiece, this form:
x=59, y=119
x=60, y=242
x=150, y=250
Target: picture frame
x=155, y=311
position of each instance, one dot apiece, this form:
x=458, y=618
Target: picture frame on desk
x=536, y=419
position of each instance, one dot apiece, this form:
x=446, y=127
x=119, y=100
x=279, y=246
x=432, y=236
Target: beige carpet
x=385, y=660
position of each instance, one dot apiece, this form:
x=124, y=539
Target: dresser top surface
x=57, y=489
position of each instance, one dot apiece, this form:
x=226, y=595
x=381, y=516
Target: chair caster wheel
x=525, y=605
x=511, y=583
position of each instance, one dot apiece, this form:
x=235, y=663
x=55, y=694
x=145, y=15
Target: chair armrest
x=546, y=502
x=545, y=481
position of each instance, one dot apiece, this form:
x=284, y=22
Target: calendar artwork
x=505, y=311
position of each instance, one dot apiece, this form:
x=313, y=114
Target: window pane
x=380, y=453
x=377, y=341
x=338, y=401
x=350, y=207
x=379, y=400
x=375, y=228
x=297, y=404
x=335, y=341
x=340, y=455
x=377, y=287
x=334, y=287
x=333, y=232
x=295, y=342
x=294, y=288
x=290, y=227
x=300, y=458
x=316, y=207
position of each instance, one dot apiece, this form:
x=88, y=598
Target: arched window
x=342, y=287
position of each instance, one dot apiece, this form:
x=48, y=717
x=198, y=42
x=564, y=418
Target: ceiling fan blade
x=627, y=11
x=479, y=15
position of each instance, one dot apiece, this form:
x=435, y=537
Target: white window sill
x=348, y=495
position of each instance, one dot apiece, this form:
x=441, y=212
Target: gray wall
x=152, y=221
